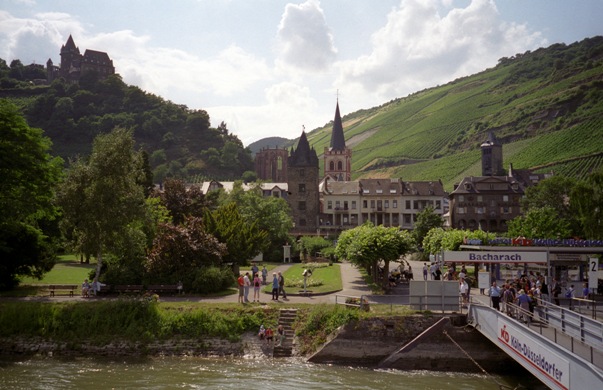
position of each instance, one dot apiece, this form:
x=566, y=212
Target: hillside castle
x=74, y=65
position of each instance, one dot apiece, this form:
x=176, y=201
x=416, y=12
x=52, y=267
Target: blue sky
x=269, y=67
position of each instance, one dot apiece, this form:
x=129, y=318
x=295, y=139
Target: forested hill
x=546, y=107
x=178, y=140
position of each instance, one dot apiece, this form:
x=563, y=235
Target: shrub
x=212, y=279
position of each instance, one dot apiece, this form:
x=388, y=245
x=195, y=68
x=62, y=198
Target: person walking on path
x=281, y=285
x=246, y=284
x=264, y=274
x=241, y=284
x=274, y=287
x=256, y=287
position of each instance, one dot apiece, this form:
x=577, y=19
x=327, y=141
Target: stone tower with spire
x=337, y=157
x=302, y=181
x=492, y=157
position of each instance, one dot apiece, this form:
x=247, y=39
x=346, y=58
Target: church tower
x=337, y=157
x=492, y=157
x=302, y=181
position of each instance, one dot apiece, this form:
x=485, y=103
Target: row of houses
x=330, y=202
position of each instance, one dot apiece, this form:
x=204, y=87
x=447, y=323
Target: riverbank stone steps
x=286, y=319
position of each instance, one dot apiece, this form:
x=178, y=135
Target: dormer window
x=467, y=186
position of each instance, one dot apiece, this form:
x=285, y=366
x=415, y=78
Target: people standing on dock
x=495, y=296
x=464, y=290
x=556, y=290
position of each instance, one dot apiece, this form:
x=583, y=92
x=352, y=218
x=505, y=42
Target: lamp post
x=286, y=253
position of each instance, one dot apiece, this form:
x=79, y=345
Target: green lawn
x=67, y=270
x=325, y=279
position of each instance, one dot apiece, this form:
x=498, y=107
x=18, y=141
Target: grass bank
x=141, y=321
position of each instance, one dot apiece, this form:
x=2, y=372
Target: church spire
x=337, y=138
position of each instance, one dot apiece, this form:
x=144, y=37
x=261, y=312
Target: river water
x=228, y=373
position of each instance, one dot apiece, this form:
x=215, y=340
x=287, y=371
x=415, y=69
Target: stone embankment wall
x=361, y=343
x=205, y=347
x=370, y=342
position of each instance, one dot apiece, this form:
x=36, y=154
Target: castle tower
x=492, y=157
x=337, y=157
x=302, y=181
x=70, y=60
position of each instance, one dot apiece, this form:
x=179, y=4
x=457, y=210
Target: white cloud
x=418, y=48
x=287, y=108
x=304, y=38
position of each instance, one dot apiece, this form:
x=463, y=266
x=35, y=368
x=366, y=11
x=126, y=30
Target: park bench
x=53, y=288
x=164, y=288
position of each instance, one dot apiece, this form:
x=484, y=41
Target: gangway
x=562, y=358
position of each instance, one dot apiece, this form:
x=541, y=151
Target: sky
x=273, y=68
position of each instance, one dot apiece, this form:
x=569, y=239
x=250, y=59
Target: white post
x=286, y=253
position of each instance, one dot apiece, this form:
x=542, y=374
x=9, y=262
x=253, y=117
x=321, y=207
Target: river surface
x=228, y=373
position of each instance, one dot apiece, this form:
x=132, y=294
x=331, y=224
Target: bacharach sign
x=494, y=257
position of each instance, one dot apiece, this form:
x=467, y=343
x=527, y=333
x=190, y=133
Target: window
x=438, y=204
x=460, y=210
x=461, y=198
x=505, y=198
x=480, y=210
x=407, y=219
x=331, y=166
x=394, y=204
x=480, y=198
x=329, y=205
x=353, y=205
x=345, y=204
x=302, y=188
x=372, y=204
x=337, y=205
x=365, y=204
x=506, y=210
x=276, y=194
x=301, y=205
x=408, y=205
x=386, y=204
x=339, y=166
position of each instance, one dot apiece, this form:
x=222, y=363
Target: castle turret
x=302, y=181
x=492, y=157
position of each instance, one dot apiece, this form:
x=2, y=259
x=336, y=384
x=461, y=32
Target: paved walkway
x=351, y=279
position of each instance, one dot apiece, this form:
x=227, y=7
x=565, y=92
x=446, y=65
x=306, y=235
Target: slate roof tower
x=302, y=181
x=337, y=157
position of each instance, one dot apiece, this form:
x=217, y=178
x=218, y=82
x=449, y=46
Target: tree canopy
x=367, y=245
x=101, y=196
x=28, y=176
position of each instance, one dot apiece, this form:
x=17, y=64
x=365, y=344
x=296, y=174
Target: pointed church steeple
x=337, y=138
x=337, y=157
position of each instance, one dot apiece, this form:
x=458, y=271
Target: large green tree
x=367, y=245
x=243, y=238
x=554, y=193
x=587, y=199
x=101, y=197
x=270, y=213
x=426, y=220
x=541, y=222
x=28, y=176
